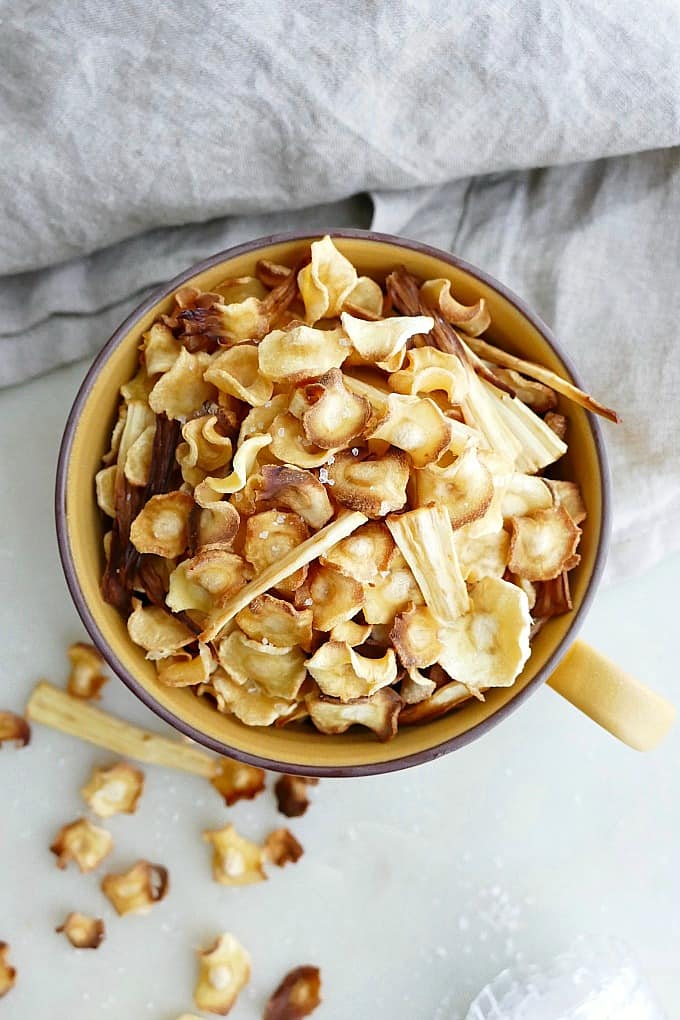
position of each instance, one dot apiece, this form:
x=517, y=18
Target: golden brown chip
x=391, y=592
x=187, y=672
x=363, y=555
x=160, y=348
x=341, y=672
x=258, y=419
x=293, y=355
x=243, y=466
x=383, y=343
x=417, y=426
x=8, y=975
x=415, y=637
x=216, y=524
x=335, y=596
x=327, y=281
x=375, y=486
x=568, y=495
x=209, y=576
x=86, y=678
x=83, y=932
x=182, y=389
x=472, y=319
x=248, y=702
x=271, y=620
x=335, y=415
x=224, y=971
x=272, y=534
x=523, y=494
x=482, y=556
x=162, y=525
x=291, y=794
x=365, y=298
x=441, y=701
x=552, y=597
x=14, y=727
x=135, y=891
x=379, y=712
x=236, y=781
x=271, y=274
x=280, y=672
x=351, y=633
x=465, y=487
x=206, y=448
x=281, y=847
x=542, y=543
x=138, y=388
x=297, y=996
x=416, y=687
x=157, y=631
x=428, y=370
x=236, y=371
x=82, y=842
x=291, y=445
x=105, y=486
x=289, y=488
x=539, y=397
x=138, y=460
x=114, y=789
x=235, y=860
x=558, y=423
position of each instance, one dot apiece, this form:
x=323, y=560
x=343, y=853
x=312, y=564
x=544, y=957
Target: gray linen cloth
x=535, y=139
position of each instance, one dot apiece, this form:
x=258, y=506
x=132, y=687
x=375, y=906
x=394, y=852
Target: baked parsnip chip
x=83, y=932
x=280, y=672
x=523, y=494
x=162, y=525
x=281, y=848
x=472, y=319
x=236, y=781
x=249, y=702
x=363, y=555
x=272, y=621
x=336, y=416
x=135, y=891
x=365, y=300
x=539, y=397
x=341, y=672
x=568, y=495
x=383, y=342
x=200, y=582
x=8, y=975
x=160, y=349
x=82, y=842
x=289, y=488
x=157, y=631
x=335, y=597
x=441, y=701
x=542, y=544
x=183, y=388
x=183, y=672
x=427, y=370
x=417, y=426
x=297, y=996
x=207, y=448
x=293, y=355
x=465, y=487
x=242, y=467
x=379, y=713
x=85, y=679
x=483, y=555
x=258, y=419
x=291, y=794
x=391, y=592
x=374, y=486
x=235, y=860
x=415, y=636
x=105, y=487
x=416, y=687
x=14, y=727
x=138, y=461
x=224, y=971
x=327, y=281
x=292, y=446
x=114, y=789
x=271, y=536
x=236, y=371
x=351, y=633
x=215, y=524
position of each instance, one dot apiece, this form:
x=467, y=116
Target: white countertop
x=415, y=888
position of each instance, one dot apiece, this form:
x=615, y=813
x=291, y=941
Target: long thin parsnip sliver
x=54, y=707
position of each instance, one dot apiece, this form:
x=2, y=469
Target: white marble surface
x=415, y=888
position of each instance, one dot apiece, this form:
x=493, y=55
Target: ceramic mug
x=626, y=708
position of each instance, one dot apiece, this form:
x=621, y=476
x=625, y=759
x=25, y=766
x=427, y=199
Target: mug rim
x=135, y=685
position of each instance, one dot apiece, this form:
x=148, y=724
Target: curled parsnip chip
x=270, y=536
x=138, y=460
x=372, y=485
x=111, y=456
x=279, y=672
x=363, y=555
x=82, y=842
x=212, y=574
x=138, y=418
x=290, y=488
x=558, y=423
x=139, y=387
x=83, y=932
x=415, y=636
x=293, y=355
x=336, y=415
x=425, y=539
x=248, y=702
x=157, y=631
x=297, y=712
x=483, y=555
x=160, y=349
x=105, y=487
x=258, y=419
x=437, y=704
x=472, y=319
x=281, y=848
x=242, y=467
x=465, y=487
x=542, y=543
x=234, y=781
x=365, y=300
x=528, y=587
x=523, y=494
x=235, y=860
x=161, y=526
x=327, y=281
x=427, y=370
x=379, y=713
x=489, y=645
x=335, y=596
x=85, y=679
x=390, y=592
x=14, y=727
x=182, y=389
x=182, y=672
x=207, y=448
x=416, y=425
x=135, y=891
x=272, y=621
x=215, y=524
x=224, y=971
x=381, y=342
x=236, y=371
x=568, y=495
x=416, y=687
x=536, y=395
x=341, y=672
x=8, y=975
x=114, y=790
x=501, y=472
x=291, y=794
x=271, y=274
x=552, y=598
x=291, y=445
x=351, y=633
x=297, y=996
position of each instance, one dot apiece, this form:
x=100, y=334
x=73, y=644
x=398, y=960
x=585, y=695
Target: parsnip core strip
x=309, y=550
x=54, y=707
x=425, y=540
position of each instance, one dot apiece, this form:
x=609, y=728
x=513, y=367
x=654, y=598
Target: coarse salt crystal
x=280, y=519
x=281, y=432
x=263, y=534
x=355, y=451
x=265, y=641
x=323, y=475
x=308, y=602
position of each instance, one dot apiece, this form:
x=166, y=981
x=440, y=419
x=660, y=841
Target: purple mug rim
x=137, y=688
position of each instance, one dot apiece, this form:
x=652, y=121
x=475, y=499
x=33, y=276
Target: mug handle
x=611, y=697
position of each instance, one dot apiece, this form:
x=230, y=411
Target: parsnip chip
x=14, y=727
x=489, y=645
x=243, y=319
x=558, y=423
x=271, y=274
x=160, y=349
x=83, y=932
x=524, y=494
x=135, y=891
x=207, y=448
x=271, y=620
x=465, y=487
x=391, y=592
x=138, y=388
x=552, y=597
x=416, y=687
x=234, y=781
x=528, y=587
x=425, y=539
x=293, y=489
x=224, y=971
x=483, y=555
x=157, y=631
x=491, y=521
x=182, y=389
x=415, y=637
x=161, y=526
x=539, y=397
x=138, y=460
x=379, y=713
x=363, y=555
x=281, y=848
x=242, y=466
x=82, y=842
x=236, y=371
x=248, y=702
x=351, y=633
x=105, y=487
x=297, y=996
x=296, y=713
x=326, y=282
x=114, y=790
x=335, y=596
x=472, y=319
x=258, y=419
x=365, y=298
x=291, y=794
x=270, y=536
x=568, y=495
x=437, y=704
x=417, y=426
x=235, y=860
x=542, y=543
x=291, y=445
x=341, y=672
x=215, y=524
x=428, y=370
x=280, y=672
x=85, y=679
x=384, y=341
x=375, y=486
x=200, y=583
x=336, y=415
x=293, y=355
x=8, y=975
x=182, y=672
